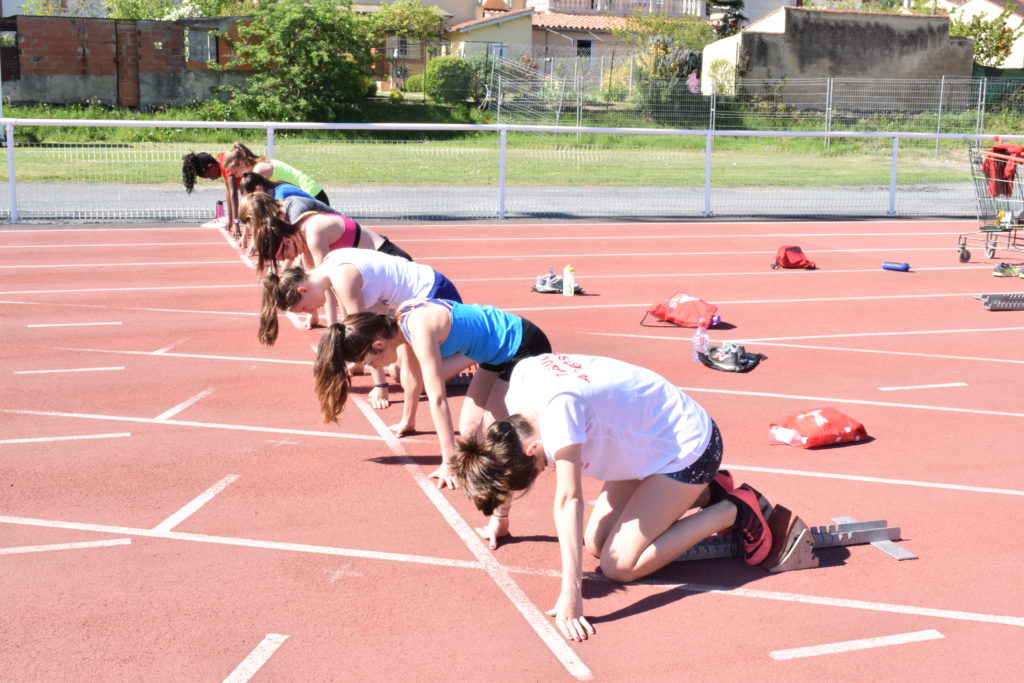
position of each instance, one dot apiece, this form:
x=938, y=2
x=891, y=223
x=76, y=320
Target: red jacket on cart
x=999, y=171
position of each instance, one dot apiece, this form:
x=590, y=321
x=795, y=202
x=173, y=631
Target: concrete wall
x=64, y=60
x=822, y=43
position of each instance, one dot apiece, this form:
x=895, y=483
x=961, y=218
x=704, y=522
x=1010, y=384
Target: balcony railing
x=672, y=8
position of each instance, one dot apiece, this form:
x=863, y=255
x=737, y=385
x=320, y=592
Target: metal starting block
x=1002, y=302
x=794, y=543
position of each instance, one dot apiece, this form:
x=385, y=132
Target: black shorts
x=322, y=197
x=534, y=343
x=704, y=469
x=388, y=247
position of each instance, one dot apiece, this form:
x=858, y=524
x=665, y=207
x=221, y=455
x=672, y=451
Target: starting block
x=794, y=543
x=1002, y=302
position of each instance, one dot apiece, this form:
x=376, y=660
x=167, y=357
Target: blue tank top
x=484, y=334
x=285, y=190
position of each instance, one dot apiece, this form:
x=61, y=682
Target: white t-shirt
x=631, y=421
x=387, y=280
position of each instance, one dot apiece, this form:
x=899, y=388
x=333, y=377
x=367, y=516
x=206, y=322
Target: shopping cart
x=1000, y=201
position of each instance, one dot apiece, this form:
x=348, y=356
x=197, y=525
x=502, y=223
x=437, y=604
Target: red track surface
x=331, y=538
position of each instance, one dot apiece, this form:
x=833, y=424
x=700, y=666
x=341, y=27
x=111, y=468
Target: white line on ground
x=184, y=404
x=47, y=372
x=852, y=645
x=207, y=425
x=879, y=480
x=142, y=264
x=70, y=324
x=161, y=229
x=165, y=354
x=115, y=246
x=256, y=659
x=64, y=546
x=545, y=630
x=46, y=439
x=118, y=289
x=467, y=564
x=985, y=359
x=679, y=235
x=853, y=401
x=691, y=274
x=564, y=255
x=198, y=502
x=164, y=349
x=925, y=386
x=241, y=253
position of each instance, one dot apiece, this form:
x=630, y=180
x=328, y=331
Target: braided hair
x=194, y=165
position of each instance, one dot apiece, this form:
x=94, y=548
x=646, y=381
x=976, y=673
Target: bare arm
x=427, y=327
x=568, y=512
x=347, y=291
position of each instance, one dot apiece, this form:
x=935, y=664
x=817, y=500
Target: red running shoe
x=750, y=524
x=720, y=486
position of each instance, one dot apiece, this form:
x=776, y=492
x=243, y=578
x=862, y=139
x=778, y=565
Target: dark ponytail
x=193, y=165
x=280, y=293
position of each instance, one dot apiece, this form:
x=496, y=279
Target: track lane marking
x=536, y=618
x=146, y=264
x=853, y=645
x=48, y=372
x=64, y=546
x=187, y=403
x=956, y=615
x=257, y=658
x=925, y=386
x=72, y=324
x=193, y=506
x=206, y=425
x=166, y=354
x=47, y=439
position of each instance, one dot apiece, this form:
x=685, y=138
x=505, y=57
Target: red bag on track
x=792, y=256
x=683, y=309
x=819, y=427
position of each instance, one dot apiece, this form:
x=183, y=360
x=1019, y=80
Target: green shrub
x=414, y=83
x=448, y=79
x=395, y=95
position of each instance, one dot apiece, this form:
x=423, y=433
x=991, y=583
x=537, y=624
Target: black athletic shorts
x=534, y=343
x=704, y=469
x=388, y=247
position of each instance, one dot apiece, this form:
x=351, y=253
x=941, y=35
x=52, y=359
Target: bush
x=395, y=95
x=448, y=79
x=414, y=83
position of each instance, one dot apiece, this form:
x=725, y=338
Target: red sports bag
x=819, y=427
x=682, y=309
x=792, y=256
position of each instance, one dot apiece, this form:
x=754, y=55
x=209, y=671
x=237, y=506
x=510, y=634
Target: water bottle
x=218, y=209
x=568, y=281
x=701, y=341
x=893, y=265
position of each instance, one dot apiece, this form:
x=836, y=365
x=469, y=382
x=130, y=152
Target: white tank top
x=387, y=280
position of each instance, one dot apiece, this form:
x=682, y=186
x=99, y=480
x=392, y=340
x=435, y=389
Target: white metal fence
x=502, y=171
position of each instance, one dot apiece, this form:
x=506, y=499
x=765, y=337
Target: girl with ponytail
x=355, y=280
x=655, y=449
x=240, y=159
x=434, y=339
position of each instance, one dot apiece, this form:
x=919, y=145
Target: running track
x=171, y=509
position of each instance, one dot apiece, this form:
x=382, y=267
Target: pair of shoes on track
x=1008, y=270
x=552, y=284
x=750, y=526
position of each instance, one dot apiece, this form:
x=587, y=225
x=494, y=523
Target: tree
x=408, y=19
x=993, y=38
x=732, y=16
x=138, y=9
x=308, y=58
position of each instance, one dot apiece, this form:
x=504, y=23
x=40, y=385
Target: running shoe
x=750, y=524
x=720, y=486
x=1008, y=270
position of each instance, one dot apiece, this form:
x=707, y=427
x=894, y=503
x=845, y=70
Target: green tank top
x=283, y=173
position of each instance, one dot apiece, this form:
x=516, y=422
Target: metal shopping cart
x=1000, y=200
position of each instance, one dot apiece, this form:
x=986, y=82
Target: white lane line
x=206, y=425
x=167, y=414
x=165, y=349
x=853, y=645
x=852, y=401
x=691, y=274
x=47, y=372
x=164, y=354
x=70, y=324
x=956, y=615
x=47, y=439
x=64, y=546
x=146, y=264
x=553, y=238
x=256, y=659
x=540, y=623
x=925, y=386
x=198, y=502
x=630, y=254
x=245, y=542
x=117, y=246
x=241, y=252
x=879, y=480
x=814, y=347
x=120, y=289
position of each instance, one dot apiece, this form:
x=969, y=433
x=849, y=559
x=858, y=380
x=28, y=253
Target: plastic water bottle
x=218, y=209
x=893, y=265
x=568, y=281
x=701, y=341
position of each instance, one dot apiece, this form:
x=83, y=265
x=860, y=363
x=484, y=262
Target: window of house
x=583, y=48
x=499, y=50
x=200, y=45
